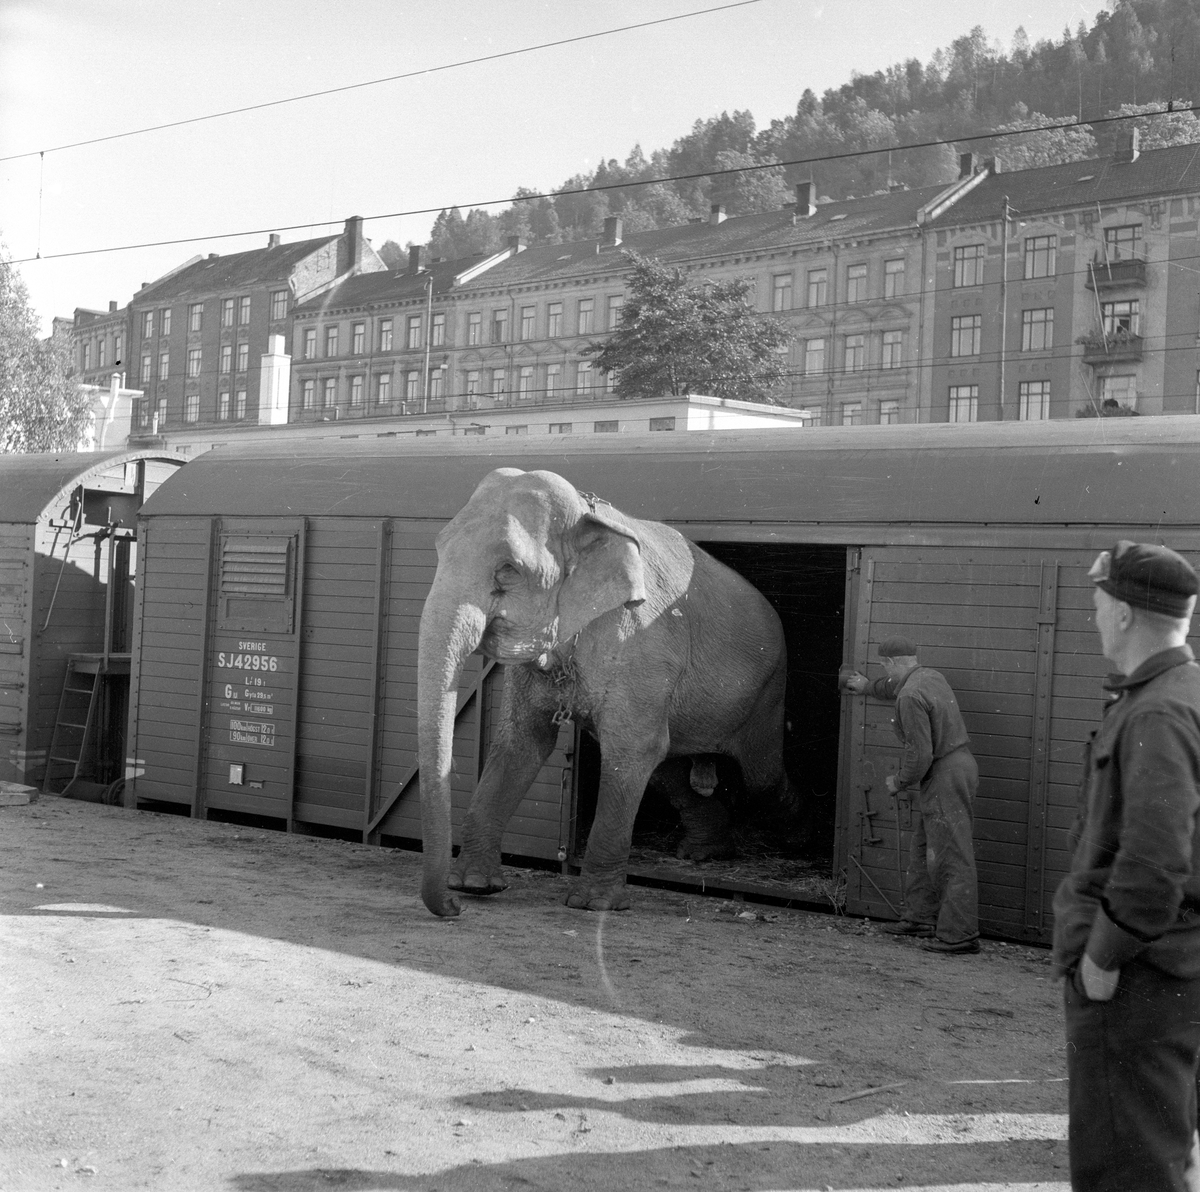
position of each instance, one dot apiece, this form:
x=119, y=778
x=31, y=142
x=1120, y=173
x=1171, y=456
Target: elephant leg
x=526, y=737
x=706, y=833
x=625, y=768
x=703, y=778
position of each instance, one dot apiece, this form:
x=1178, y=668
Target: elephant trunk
x=451, y=629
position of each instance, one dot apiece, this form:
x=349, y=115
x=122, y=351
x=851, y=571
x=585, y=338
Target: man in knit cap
x=941, y=900
x=1127, y=916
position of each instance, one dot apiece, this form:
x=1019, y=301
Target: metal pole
x=1003, y=298
x=428, y=341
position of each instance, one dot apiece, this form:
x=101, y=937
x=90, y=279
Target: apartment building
x=98, y=343
x=1061, y=288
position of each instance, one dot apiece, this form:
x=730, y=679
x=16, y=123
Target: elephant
x=650, y=644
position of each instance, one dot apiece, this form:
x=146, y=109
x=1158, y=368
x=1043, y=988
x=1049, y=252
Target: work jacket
x=928, y=723
x=1133, y=889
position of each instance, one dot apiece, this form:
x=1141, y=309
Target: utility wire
x=581, y=190
x=412, y=74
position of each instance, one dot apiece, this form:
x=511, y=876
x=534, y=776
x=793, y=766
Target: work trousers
x=940, y=887
x=1132, y=1067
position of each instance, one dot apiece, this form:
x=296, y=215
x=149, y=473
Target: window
x=583, y=377
x=893, y=349
x=1037, y=329
x=358, y=339
x=1123, y=244
x=554, y=320
x=193, y=362
x=308, y=394
x=968, y=265
x=101, y=352
x=1122, y=390
x=471, y=430
x=239, y=404
x=475, y=328
x=160, y=414
x=330, y=396
x=499, y=383
x=662, y=423
x=278, y=305
x=244, y=310
x=331, y=341
x=87, y=354
x=310, y=343
x=164, y=366
x=586, y=306
x=965, y=334
x=608, y=427
x=118, y=344
x=856, y=283
x=781, y=291
x=809, y=417
x=383, y=389
x=437, y=384
x=553, y=380
x=855, y=353
x=385, y=335
x=852, y=413
x=893, y=278
x=1039, y=256
x=356, y=391
x=818, y=286
x=226, y=360
x=412, y=385
x=814, y=356
x=615, y=302
x=148, y=325
x=610, y=381
x=472, y=386
x=525, y=382
x=516, y=430
x=412, y=336
x=191, y=408
x=1035, y=401
x=438, y=331
x=1121, y=317
x=145, y=373
x=560, y=428
x=196, y=316
x=226, y=312
x=499, y=326
x=528, y=321
x=889, y=413
x=223, y=406
x=243, y=356
x=964, y=403
x=165, y=320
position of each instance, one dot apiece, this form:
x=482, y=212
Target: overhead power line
x=582, y=190
x=411, y=74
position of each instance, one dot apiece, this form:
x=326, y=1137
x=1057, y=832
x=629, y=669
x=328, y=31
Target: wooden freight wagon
x=67, y=567
x=276, y=634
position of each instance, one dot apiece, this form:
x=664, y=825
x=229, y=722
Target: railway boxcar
x=276, y=630
x=67, y=524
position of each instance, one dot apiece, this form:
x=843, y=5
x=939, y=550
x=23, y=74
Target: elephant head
x=525, y=565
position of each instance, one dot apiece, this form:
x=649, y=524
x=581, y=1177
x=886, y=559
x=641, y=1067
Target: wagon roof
x=30, y=484
x=1085, y=471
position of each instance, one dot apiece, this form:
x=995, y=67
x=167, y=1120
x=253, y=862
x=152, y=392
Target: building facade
x=99, y=340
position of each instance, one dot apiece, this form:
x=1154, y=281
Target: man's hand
x=893, y=787
x=1099, y=984
x=855, y=682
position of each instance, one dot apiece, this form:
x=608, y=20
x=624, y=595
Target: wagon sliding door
x=981, y=616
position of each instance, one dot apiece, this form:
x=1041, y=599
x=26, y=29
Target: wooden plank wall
x=174, y=578
x=16, y=550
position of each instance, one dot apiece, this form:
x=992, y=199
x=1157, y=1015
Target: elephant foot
x=589, y=896
x=475, y=877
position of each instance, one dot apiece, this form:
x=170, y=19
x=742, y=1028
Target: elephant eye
x=506, y=576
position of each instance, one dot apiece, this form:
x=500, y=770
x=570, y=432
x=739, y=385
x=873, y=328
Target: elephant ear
x=605, y=572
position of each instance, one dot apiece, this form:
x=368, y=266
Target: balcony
x=1119, y=347
x=1116, y=274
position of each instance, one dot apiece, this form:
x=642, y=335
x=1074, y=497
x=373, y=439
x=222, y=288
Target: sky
x=71, y=70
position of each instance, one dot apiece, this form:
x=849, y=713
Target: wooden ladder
x=75, y=726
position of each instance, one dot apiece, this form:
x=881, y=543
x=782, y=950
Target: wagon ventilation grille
x=256, y=583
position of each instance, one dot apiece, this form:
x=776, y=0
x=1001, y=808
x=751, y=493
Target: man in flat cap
x=941, y=900
x=1127, y=916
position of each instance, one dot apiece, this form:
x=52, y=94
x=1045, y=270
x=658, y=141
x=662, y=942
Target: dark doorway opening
x=806, y=585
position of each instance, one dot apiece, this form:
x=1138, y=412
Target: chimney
x=716, y=213
x=516, y=243
x=966, y=165
x=806, y=198
x=414, y=259
x=1128, y=147
x=112, y=307
x=993, y=165
x=612, y=231
x=273, y=240
x=350, y=251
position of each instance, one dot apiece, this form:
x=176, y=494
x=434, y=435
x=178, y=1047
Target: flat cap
x=897, y=647
x=1155, y=578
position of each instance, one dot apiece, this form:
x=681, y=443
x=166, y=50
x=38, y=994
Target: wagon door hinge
x=855, y=562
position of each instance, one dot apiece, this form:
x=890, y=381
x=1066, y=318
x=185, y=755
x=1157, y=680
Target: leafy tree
x=392, y=255
x=1158, y=130
x=1058, y=146
x=41, y=406
x=675, y=337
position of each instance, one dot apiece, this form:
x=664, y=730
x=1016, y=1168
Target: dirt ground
x=196, y=1005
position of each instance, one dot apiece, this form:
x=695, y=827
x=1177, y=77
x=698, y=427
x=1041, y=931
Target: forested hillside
x=1138, y=56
